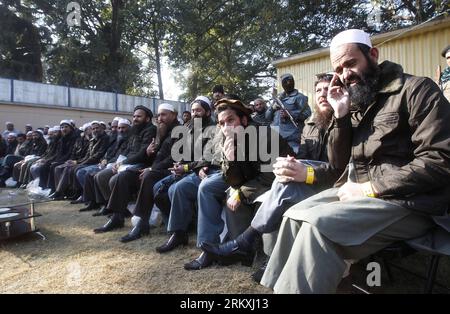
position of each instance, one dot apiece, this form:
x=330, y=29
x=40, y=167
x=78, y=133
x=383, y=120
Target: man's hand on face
x=338, y=97
x=228, y=145
x=289, y=170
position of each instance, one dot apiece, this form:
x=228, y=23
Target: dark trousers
x=125, y=184
x=145, y=198
x=65, y=179
x=102, y=189
x=47, y=175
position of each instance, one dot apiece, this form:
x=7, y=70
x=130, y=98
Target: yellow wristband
x=368, y=190
x=309, y=175
x=235, y=195
x=186, y=168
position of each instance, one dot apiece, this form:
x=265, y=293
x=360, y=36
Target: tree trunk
x=157, y=60
x=114, y=45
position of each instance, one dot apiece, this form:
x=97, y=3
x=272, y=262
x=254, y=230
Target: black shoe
x=115, y=222
x=203, y=261
x=79, y=200
x=73, y=197
x=56, y=196
x=91, y=206
x=229, y=253
x=102, y=212
x=137, y=232
x=177, y=238
x=225, y=249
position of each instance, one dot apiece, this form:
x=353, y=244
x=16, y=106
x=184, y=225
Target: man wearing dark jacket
x=186, y=175
x=158, y=155
x=393, y=127
x=242, y=169
x=292, y=186
x=44, y=168
x=65, y=179
x=21, y=172
x=91, y=193
x=142, y=133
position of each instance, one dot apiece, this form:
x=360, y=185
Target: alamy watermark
x=373, y=279
x=74, y=16
x=73, y=275
x=252, y=144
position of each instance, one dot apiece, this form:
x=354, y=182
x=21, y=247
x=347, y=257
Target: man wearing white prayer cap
x=114, y=124
x=392, y=130
x=142, y=134
x=124, y=122
x=158, y=157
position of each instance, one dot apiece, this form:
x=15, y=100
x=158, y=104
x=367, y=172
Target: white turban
x=166, y=106
x=65, y=122
x=351, y=36
x=124, y=121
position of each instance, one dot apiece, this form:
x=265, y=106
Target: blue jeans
x=157, y=186
x=83, y=172
x=183, y=195
x=211, y=197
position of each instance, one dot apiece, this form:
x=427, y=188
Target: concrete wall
x=38, y=116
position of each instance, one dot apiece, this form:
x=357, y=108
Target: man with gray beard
x=156, y=159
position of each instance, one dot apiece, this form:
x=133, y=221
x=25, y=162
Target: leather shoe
x=79, y=200
x=229, y=253
x=137, y=232
x=224, y=249
x=115, y=222
x=91, y=206
x=203, y=261
x=56, y=196
x=177, y=238
x=102, y=212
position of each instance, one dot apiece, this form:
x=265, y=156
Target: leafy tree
x=22, y=42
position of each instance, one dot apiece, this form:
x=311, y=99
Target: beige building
x=417, y=49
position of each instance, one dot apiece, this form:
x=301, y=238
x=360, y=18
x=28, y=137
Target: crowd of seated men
x=368, y=168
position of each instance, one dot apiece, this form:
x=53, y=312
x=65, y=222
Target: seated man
x=183, y=193
x=119, y=147
x=295, y=179
x=393, y=128
x=243, y=170
x=65, y=175
x=127, y=182
x=21, y=171
x=142, y=133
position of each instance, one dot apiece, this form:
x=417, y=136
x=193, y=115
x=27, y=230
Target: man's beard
x=162, y=131
x=363, y=93
x=322, y=119
x=137, y=128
